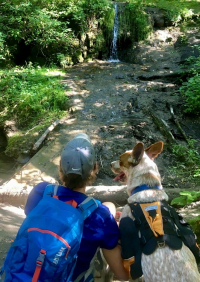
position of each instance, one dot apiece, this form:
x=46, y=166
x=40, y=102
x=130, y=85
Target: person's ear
x=95, y=167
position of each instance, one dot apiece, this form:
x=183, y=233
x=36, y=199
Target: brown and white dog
x=136, y=167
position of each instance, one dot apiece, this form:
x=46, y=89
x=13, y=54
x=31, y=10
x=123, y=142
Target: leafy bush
x=190, y=89
x=134, y=23
x=186, y=197
x=187, y=162
x=176, y=11
x=23, y=141
x=31, y=95
x=36, y=26
x=195, y=223
x=4, y=51
x=187, y=156
x=47, y=28
x=191, y=92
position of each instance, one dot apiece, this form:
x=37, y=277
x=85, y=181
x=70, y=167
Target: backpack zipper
x=53, y=234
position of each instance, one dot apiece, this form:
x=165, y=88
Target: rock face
x=157, y=17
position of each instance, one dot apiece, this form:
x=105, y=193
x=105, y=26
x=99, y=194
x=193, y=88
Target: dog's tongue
x=119, y=176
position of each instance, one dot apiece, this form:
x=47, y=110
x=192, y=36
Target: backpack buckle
x=161, y=245
x=40, y=259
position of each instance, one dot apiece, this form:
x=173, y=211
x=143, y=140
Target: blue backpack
x=45, y=248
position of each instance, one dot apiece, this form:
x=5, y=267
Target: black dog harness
x=159, y=225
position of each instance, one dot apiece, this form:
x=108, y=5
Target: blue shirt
x=100, y=228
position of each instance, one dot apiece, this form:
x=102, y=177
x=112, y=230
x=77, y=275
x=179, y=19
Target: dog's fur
x=164, y=264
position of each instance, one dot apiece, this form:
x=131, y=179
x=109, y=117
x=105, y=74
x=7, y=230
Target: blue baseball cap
x=78, y=156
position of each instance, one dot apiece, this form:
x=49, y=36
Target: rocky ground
x=112, y=102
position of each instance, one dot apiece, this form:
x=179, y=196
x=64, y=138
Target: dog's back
x=164, y=264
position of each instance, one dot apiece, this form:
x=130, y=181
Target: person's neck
x=81, y=190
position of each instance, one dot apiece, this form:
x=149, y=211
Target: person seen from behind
x=77, y=170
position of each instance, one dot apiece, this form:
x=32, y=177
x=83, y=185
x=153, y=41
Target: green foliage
x=187, y=163
x=105, y=33
x=31, y=95
x=187, y=156
x=35, y=26
x=25, y=139
x=95, y=8
x=107, y=26
x=195, y=224
x=191, y=92
x=49, y=28
x=190, y=89
x=4, y=51
x=186, y=197
x=176, y=11
x=15, y=143
x=134, y=23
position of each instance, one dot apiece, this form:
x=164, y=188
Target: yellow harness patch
x=155, y=223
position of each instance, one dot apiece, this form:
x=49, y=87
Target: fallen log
x=115, y=194
x=16, y=194
x=44, y=135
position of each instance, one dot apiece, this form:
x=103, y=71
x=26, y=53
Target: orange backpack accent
x=156, y=223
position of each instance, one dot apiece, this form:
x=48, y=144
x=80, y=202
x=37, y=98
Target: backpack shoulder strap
x=85, y=208
x=186, y=233
x=141, y=223
x=88, y=206
x=50, y=190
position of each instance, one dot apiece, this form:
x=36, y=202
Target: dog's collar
x=144, y=187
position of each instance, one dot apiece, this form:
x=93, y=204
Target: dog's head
x=137, y=167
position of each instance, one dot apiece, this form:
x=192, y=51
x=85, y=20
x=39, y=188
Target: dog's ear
x=154, y=150
x=137, y=153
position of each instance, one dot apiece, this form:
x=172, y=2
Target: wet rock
x=111, y=127
x=157, y=17
x=129, y=107
x=119, y=76
x=22, y=160
x=135, y=104
x=10, y=128
x=159, y=20
x=3, y=141
x=189, y=52
x=130, y=75
x=157, y=100
x=169, y=39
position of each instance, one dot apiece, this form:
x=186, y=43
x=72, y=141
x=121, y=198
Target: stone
x=119, y=76
x=159, y=20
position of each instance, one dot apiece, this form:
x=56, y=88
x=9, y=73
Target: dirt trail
x=107, y=102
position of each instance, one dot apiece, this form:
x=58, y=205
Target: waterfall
x=113, y=49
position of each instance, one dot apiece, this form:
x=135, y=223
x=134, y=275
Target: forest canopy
x=46, y=30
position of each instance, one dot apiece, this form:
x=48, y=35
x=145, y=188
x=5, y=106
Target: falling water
x=113, y=49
